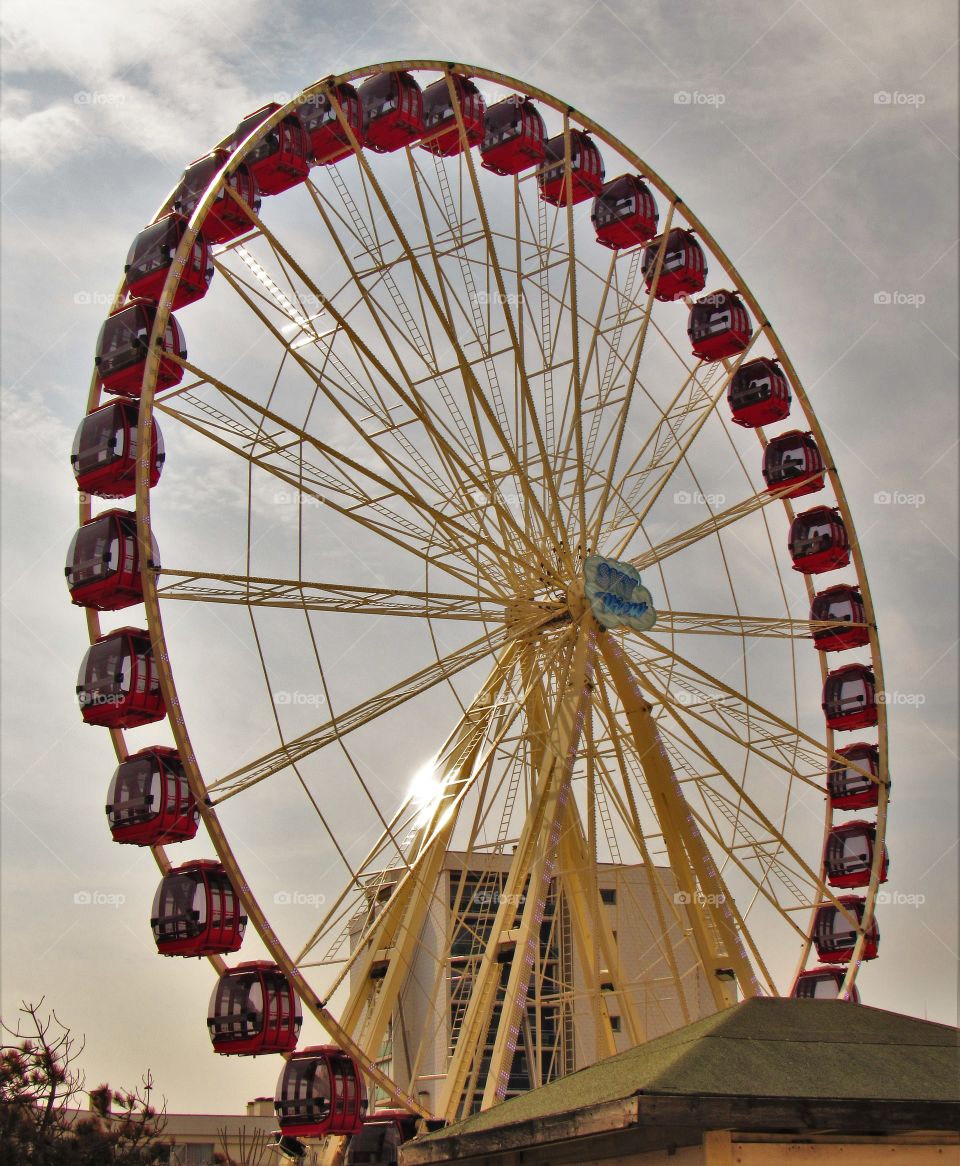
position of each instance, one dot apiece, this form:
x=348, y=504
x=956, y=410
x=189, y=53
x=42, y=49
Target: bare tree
x=40, y=1122
x=39, y=1080
x=251, y=1147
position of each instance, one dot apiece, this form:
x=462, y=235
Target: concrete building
x=244, y=1137
x=659, y=972
x=765, y=1083
x=198, y=1137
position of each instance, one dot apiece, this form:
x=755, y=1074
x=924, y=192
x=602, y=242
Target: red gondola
x=818, y=541
x=320, y=1092
x=684, y=270
x=380, y=1138
x=822, y=984
x=123, y=348
x=152, y=254
x=514, y=136
x=440, y=120
x=196, y=911
x=842, y=603
x=118, y=686
x=150, y=800
x=834, y=935
x=279, y=160
x=328, y=139
x=226, y=219
x=848, y=788
x=719, y=326
x=103, y=562
x=586, y=169
x=849, y=852
x=624, y=213
x=392, y=111
x=759, y=394
x=254, y=1010
x=104, y=456
x=793, y=457
x=849, y=698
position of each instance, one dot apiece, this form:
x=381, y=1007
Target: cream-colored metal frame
x=551, y=662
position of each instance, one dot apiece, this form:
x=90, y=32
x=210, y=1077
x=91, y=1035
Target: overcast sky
x=818, y=145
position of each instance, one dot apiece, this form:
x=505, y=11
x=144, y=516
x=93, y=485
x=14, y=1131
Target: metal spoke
x=775, y=627
x=723, y=708
x=259, y=591
x=458, y=534
x=362, y=714
x=709, y=526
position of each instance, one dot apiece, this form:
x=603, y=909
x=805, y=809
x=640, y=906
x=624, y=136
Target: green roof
x=761, y=1048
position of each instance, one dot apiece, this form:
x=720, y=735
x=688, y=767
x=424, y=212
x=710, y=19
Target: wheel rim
x=509, y=539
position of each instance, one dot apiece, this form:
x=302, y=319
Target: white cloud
x=130, y=76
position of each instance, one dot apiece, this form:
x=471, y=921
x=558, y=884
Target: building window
x=615, y=1023
x=192, y=1154
x=608, y=895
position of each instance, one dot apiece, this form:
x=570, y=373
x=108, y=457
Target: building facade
x=659, y=984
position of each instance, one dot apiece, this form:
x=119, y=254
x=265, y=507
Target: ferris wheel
x=492, y=570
